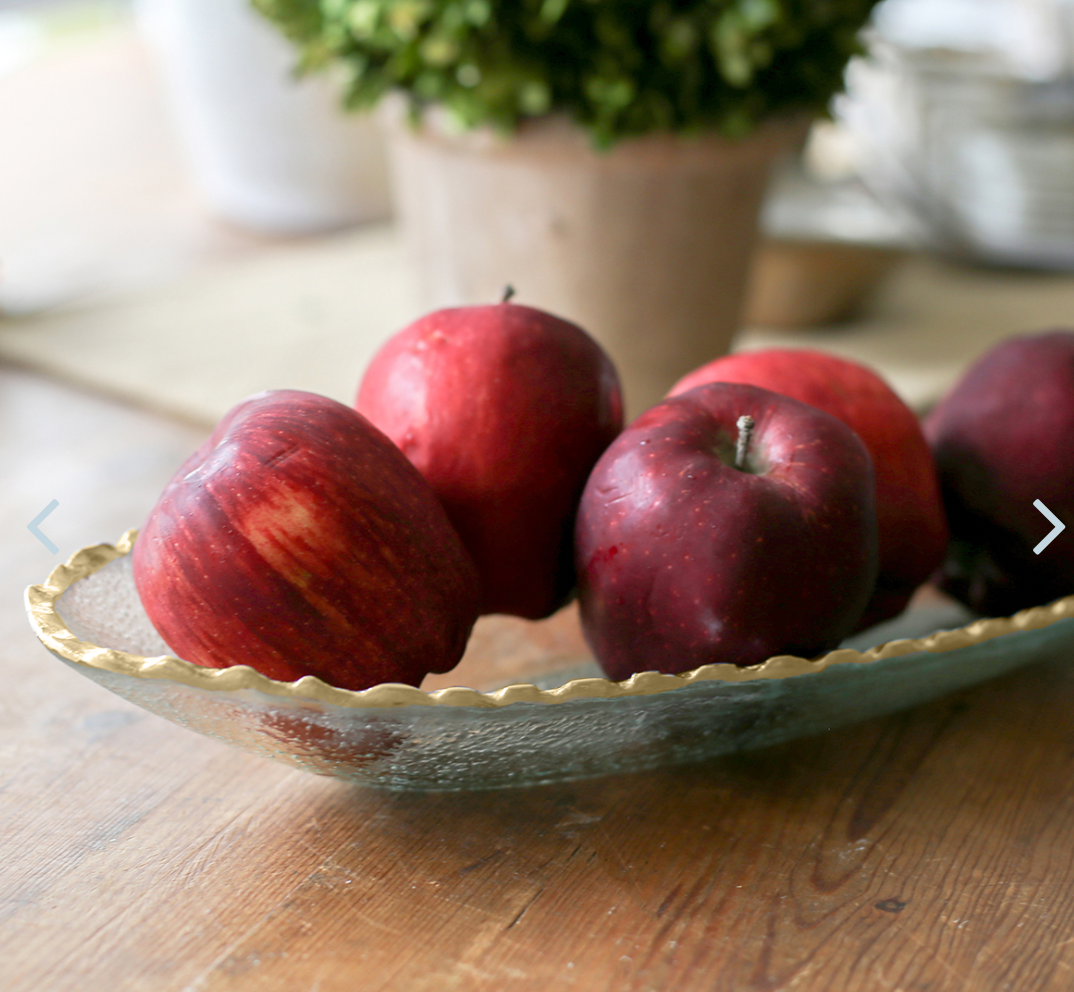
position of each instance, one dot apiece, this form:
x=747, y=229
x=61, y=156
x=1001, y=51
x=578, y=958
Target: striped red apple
x=299, y=541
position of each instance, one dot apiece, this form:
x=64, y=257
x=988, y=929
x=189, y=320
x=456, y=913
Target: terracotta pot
x=646, y=246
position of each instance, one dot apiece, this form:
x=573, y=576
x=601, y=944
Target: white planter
x=647, y=246
x=271, y=153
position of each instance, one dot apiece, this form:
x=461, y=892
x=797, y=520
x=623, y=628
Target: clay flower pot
x=646, y=246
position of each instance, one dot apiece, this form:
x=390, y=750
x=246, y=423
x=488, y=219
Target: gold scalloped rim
x=56, y=636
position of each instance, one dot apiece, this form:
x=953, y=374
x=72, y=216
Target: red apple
x=299, y=541
x=909, y=511
x=1003, y=438
x=504, y=409
x=689, y=555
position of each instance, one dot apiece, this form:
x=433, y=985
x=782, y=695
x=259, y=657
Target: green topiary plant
x=617, y=67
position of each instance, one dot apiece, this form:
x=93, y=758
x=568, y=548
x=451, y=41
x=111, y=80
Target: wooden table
x=933, y=850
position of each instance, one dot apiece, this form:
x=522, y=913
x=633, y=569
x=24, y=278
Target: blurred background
x=183, y=222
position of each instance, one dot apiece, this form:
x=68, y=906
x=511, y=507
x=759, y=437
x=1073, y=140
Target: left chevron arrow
x=34, y=524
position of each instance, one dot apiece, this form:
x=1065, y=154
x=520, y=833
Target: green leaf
x=552, y=10
x=534, y=98
x=756, y=15
x=363, y=18
x=730, y=46
x=679, y=40
x=478, y=12
x=405, y=17
x=439, y=51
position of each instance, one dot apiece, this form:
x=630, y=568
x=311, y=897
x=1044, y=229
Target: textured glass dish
x=89, y=616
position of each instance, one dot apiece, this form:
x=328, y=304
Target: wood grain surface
x=933, y=850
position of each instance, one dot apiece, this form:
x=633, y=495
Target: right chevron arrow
x=1057, y=526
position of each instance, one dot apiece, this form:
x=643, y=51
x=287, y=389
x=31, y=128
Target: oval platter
x=88, y=615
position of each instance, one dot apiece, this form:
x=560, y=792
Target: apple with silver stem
x=725, y=525
x=911, y=523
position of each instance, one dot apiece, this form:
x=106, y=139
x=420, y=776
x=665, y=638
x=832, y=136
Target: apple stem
x=508, y=292
x=745, y=429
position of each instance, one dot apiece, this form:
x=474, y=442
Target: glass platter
x=568, y=723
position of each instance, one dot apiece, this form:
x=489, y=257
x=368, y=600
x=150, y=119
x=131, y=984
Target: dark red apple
x=1003, y=438
x=299, y=541
x=910, y=515
x=689, y=554
x=504, y=409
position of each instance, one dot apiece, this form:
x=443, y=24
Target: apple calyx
x=745, y=431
